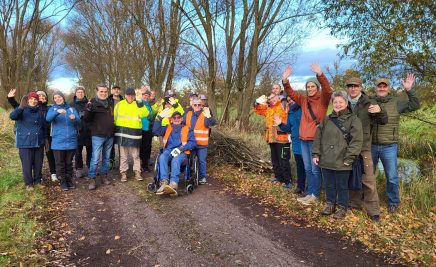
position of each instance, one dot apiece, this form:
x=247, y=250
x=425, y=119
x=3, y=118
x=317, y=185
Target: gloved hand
x=166, y=113
x=262, y=100
x=172, y=101
x=23, y=103
x=139, y=103
x=175, y=152
x=206, y=112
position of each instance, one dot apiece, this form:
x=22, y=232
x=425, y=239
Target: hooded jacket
x=30, y=126
x=273, y=134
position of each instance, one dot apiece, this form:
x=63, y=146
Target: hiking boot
x=123, y=177
x=340, y=213
x=287, y=185
x=138, y=176
x=64, y=184
x=392, y=208
x=91, y=185
x=105, y=180
x=328, y=209
x=300, y=199
x=163, y=183
x=311, y=199
x=70, y=184
x=202, y=180
x=171, y=189
x=53, y=177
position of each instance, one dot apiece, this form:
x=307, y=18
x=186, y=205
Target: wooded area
x=227, y=49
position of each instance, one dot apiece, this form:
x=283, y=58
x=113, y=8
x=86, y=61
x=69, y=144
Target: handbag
x=356, y=174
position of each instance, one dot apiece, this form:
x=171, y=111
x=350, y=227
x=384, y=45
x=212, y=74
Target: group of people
x=326, y=146
x=63, y=130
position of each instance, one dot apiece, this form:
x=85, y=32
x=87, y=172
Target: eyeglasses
x=197, y=105
x=145, y=94
x=177, y=117
x=382, y=85
x=351, y=86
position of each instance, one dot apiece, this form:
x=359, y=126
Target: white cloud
x=64, y=84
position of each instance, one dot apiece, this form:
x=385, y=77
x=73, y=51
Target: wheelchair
x=189, y=171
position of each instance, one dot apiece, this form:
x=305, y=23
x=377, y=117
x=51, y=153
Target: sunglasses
x=177, y=117
x=197, y=105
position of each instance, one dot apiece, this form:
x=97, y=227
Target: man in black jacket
x=99, y=114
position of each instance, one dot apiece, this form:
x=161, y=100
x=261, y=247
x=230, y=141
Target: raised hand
x=23, y=102
x=316, y=68
x=286, y=73
x=12, y=92
x=206, y=112
x=409, y=81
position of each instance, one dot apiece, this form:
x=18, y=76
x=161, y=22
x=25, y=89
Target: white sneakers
x=53, y=177
x=308, y=200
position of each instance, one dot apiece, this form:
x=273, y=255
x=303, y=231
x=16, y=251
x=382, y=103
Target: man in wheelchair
x=178, y=140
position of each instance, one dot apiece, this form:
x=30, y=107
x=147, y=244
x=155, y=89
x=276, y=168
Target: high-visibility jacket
x=183, y=137
x=201, y=132
x=127, y=118
x=273, y=134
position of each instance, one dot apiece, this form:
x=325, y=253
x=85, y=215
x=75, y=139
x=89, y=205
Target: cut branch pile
x=223, y=149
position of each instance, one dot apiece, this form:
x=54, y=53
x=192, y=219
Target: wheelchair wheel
x=190, y=189
x=152, y=188
x=195, y=171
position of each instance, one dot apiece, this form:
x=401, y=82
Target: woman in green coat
x=334, y=152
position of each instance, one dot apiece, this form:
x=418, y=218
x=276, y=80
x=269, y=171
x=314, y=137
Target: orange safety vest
x=201, y=132
x=184, y=136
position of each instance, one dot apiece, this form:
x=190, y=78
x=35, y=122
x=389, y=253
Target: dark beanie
x=59, y=93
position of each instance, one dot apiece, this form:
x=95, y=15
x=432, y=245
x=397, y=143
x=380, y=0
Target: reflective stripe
x=201, y=131
x=128, y=136
x=201, y=138
x=128, y=118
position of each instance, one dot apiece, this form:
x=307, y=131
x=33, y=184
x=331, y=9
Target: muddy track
x=123, y=225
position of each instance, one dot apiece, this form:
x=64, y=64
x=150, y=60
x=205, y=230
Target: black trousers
x=145, y=151
x=78, y=158
x=50, y=158
x=31, y=164
x=280, y=156
x=64, y=163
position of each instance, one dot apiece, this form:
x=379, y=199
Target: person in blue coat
x=64, y=120
x=178, y=141
x=292, y=126
x=30, y=138
x=147, y=134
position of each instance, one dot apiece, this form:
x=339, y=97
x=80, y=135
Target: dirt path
x=122, y=225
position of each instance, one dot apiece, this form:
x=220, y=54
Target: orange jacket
x=184, y=136
x=319, y=103
x=201, y=132
x=273, y=133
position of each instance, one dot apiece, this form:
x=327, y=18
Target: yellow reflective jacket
x=129, y=115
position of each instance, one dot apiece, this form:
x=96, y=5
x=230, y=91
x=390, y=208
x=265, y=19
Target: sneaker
x=300, y=199
x=163, y=183
x=105, y=180
x=53, y=177
x=311, y=199
x=71, y=184
x=29, y=188
x=275, y=180
x=340, y=213
x=138, y=176
x=287, y=185
x=328, y=209
x=123, y=177
x=64, y=186
x=202, y=180
x=91, y=185
x=171, y=189
x=392, y=208
x=375, y=218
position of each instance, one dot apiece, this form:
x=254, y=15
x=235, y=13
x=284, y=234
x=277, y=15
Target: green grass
x=18, y=229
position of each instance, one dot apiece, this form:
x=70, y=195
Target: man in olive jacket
x=385, y=137
x=369, y=113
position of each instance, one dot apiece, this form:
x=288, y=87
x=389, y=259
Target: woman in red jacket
x=314, y=108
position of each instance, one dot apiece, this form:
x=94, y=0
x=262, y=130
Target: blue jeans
x=313, y=172
x=336, y=187
x=201, y=152
x=176, y=163
x=100, y=145
x=388, y=156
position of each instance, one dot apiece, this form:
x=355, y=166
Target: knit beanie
x=40, y=92
x=59, y=93
x=32, y=94
x=315, y=81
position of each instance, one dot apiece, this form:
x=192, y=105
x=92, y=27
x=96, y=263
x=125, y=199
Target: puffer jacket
x=273, y=134
x=330, y=145
x=63, y=129
x=30, y=127
x=319, y=103
x=368, y=120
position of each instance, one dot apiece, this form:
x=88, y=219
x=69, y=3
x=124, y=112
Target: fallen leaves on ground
x=408, y=236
